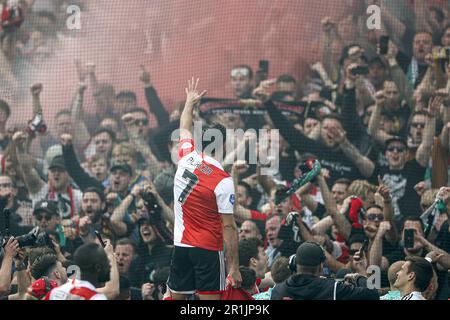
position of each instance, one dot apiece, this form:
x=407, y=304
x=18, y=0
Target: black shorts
x=197, y=270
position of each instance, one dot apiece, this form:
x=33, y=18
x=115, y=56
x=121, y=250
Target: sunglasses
x=141, y=122
x=46, y=217
x=375, y=217
x=240, y=71
x=5, y=185
x=418, y=125
x=398, y=149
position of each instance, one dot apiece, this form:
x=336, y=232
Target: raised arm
x=374, y=130
x=10, y=250
x=31, y=178
x=364, y=165
x=82, y=136
x=154, y=103
x=423, y=152
x=192, y=98
x=118, y=216
x=295, y=138
x=112, y=288
x=141, y=145
x=76, y=172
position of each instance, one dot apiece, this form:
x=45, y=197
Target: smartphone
x=409, y=238
x=360, y=70
x=384, y=45
x=264, y=66
x=99, y=237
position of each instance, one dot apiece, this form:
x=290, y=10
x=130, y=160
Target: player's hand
x=235, y=278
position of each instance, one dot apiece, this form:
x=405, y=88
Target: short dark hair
x=286, y=78
x=248, y=277
x=96, y=190
x=423, y=271
x=246, y=186
x=280, y=269
x=87, y=256
x=126, y=242
x=5, y=107
x=379, y=61
x=43, y=265
x=126, y=94
x=103, y=130
x=248, y=248
x=356, y=237
x=415, y=219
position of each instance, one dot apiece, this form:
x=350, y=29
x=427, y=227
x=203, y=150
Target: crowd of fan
x=379, y=126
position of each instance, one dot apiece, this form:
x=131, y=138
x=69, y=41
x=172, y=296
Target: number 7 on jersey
x=192, y=181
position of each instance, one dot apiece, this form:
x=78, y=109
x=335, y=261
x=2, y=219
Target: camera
x=32, y=239
x=151, y=203
x=37, y=125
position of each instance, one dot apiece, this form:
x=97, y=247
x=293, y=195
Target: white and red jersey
x=75, y=290
x=202, y=192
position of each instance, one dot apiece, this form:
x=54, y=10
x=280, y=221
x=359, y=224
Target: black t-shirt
x=405, y=200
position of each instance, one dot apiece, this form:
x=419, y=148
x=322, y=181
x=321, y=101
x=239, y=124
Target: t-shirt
x=405, y=200
x=202, y=192
x=75, y=290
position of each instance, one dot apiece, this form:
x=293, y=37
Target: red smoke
x=199, y=38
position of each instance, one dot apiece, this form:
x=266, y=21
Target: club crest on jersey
x=232, y=199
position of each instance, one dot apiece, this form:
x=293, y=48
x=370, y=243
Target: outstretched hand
x=192, y=94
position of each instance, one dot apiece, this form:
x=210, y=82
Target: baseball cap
x=310, y=254
x=46, y=206
x=57, y=163
x=121, y=166
x=396, y=138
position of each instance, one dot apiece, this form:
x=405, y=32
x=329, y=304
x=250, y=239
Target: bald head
x=392, y=271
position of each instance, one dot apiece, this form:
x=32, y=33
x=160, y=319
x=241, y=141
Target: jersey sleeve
x=225, y=196
x=185, y=147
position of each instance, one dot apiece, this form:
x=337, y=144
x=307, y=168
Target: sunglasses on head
x=240, y=71
x=141, y=122
x=418, y=125
x=375, y=217
x=398, y=149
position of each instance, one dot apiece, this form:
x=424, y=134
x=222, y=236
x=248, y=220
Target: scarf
x=413, y=72
x=52, y=195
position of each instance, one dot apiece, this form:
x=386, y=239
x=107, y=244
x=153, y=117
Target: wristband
x=429, y=259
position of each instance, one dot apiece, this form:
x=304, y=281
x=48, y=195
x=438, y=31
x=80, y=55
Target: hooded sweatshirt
x=310, y=287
